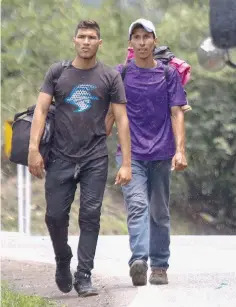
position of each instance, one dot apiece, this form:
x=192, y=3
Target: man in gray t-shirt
x=82, y=100
x=83, y=90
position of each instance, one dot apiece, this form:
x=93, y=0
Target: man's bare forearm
x=124, y=139
x=109, y=121
x=177, y=118
x=37, y=128
x=39, y=120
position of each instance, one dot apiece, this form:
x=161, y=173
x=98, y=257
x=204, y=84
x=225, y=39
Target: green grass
x=10, y=298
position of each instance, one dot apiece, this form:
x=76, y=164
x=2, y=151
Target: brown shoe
x=158, y=277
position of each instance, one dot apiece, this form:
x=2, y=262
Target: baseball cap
x=147, y=24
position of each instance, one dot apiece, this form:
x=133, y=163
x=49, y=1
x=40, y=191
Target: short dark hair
x=88, y=24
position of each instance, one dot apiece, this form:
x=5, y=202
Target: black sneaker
x=138, y=272
x=83, y=285
x=63, y=276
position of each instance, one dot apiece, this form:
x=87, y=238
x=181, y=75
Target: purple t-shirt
x=148, y=108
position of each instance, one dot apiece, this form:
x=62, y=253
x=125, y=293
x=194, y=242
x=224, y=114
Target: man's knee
x=137, y=205
x=57, y=219
x=89, y=218
x=161, y=217
x=159, y=208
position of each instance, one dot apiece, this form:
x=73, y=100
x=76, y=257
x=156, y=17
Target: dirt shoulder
x=35, y=278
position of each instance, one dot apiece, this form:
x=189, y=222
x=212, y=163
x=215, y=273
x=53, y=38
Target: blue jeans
x=147, y=203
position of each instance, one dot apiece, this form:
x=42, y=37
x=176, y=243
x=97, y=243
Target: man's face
x=86, y=43
x=142, y=42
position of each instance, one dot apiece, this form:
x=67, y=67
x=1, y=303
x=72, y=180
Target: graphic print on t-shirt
x=81, y=97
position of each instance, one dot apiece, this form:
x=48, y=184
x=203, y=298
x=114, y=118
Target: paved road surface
x=202, y=272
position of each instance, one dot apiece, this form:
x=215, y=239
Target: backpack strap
x=66, y=63
x=58, y=70
x=166, y=72
x=124, y=71
x=60, y=67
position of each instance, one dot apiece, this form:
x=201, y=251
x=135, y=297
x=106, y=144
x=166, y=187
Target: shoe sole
x=87, y=294
x=158, y=283
x=138, y=273
x=91, y=292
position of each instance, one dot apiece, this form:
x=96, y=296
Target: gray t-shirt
x=82, y=99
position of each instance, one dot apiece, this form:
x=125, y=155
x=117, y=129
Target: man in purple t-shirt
x=158, y=146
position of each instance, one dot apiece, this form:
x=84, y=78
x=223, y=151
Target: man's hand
x=124, y=175
x=179, y=162
x=35, y=163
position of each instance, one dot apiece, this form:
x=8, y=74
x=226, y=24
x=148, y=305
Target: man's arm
x=109, y=121
x=179, y=161
x=122, y=122
x=118, y=109
x=35, y=160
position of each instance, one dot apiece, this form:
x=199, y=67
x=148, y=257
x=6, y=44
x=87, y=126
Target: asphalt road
x=202, y=272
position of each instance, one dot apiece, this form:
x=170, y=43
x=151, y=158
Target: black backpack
x=21, y=127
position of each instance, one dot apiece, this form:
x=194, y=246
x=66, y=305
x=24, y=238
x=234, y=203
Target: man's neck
x=84, y=63
x=146, y=63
